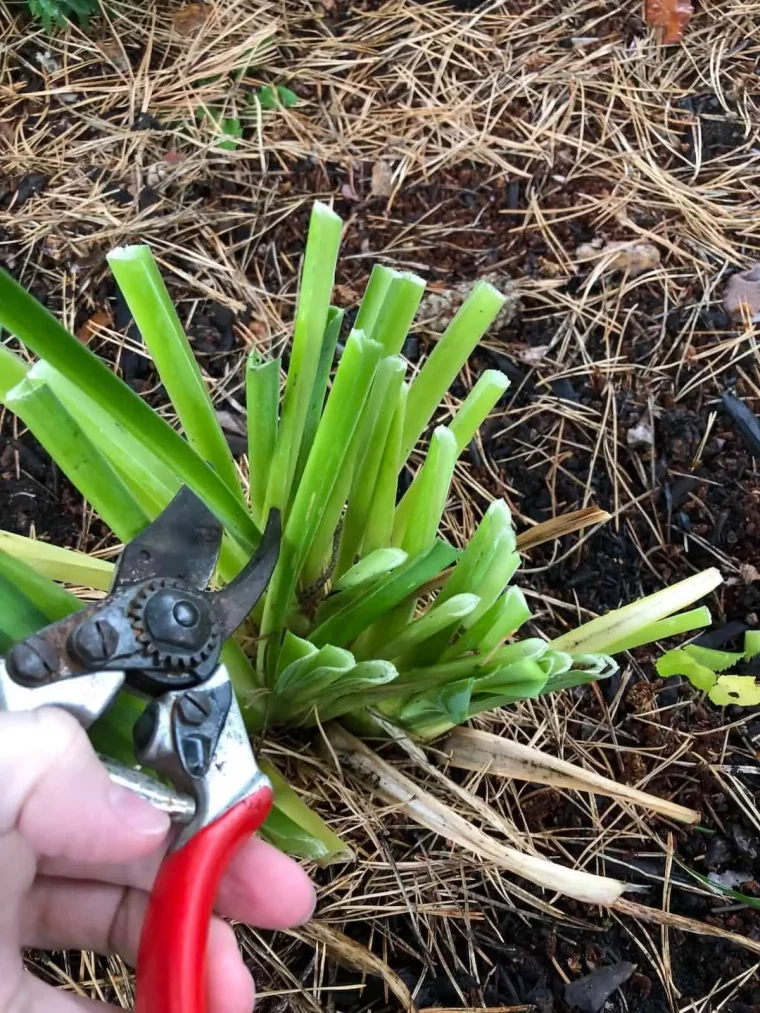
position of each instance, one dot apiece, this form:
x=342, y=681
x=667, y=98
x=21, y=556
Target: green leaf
x=21, y=314
x=428, y=624
x=340, y=417
x=139, y=279
x=287, y=98
x=319, y=387
x=379, y=525
x=451, y=352
x=59, y=564
x=345, y=625
x=274, y=98
x=621, y=624
x=684, y=622
x=477, y=406
x=80, y=460
x=262, y=394
x=419, y=513
x=371, y=439
x=377, y=564
x=317, y=280
x=296, y=829
x=232, y=131
x=751, y=644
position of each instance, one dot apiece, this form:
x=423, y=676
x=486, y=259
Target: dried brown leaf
x=353, y=955
x=470, y=749
x=427, y=810
x=190, y=18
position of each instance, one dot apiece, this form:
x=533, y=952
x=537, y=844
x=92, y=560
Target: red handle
x=171, y=965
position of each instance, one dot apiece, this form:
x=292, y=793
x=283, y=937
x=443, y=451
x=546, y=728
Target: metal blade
x=182, y=542
x=235, y=601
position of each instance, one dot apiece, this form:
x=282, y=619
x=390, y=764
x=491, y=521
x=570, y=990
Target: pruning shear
x=159, y=633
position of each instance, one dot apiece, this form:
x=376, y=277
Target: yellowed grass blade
x=653, y=914
x=353, y=955
x=557, y=527
x=470, y=749
x=417, y=803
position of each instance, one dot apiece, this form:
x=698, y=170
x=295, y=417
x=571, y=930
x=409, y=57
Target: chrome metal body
x=158, y=634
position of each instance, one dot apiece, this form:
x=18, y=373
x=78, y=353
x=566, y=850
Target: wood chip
x=625, y=255
x=190, y=19
x=741, y=299
x=672, y=16
x=93, y=325
x=382, y=179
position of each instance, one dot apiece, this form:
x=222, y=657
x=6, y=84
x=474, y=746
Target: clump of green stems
x=370, y=612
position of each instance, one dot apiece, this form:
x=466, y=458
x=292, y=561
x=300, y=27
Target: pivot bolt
x=194, y=708
x=94, y=642
x=32, y=661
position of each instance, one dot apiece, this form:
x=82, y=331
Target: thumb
x=57, y=794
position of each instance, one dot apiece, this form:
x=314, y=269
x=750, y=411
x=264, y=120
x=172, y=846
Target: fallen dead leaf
x=742, y=296
x=672, y=16
x=355, y=956
x=382, y=179
x=113, y=52
x=190, y=19
x=623, y=255
x=95, y=323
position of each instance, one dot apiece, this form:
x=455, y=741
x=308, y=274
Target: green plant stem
x=311, y=320
x=372, y=300
x=13, y=369
x=21, y=314
x=417, y=516
x=262, y=392
x=478, y=311
x=378, y=530
x=475, y=559
x=493, y=627
x=340, y=417
x=372, y=438
x=399, y=308
x=319, y=388
x=139, y=279
x=477, y=406
x=684, y=622
x=620, y=624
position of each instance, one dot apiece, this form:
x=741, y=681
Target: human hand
x=78, y=855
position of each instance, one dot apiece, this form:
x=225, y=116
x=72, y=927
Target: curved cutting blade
x=182, y=542
x=235, y=601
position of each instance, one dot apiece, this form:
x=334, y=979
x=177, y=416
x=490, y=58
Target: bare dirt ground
x=456, y=141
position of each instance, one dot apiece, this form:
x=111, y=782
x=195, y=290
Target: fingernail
x=140, y=816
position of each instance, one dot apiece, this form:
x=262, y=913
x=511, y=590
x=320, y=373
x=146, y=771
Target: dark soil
x=464, y=224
